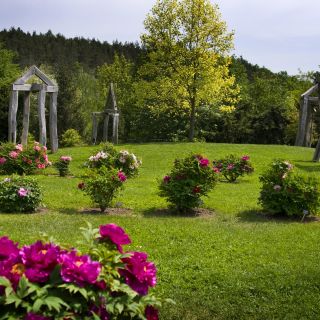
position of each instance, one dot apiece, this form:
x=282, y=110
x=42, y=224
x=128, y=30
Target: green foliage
x=102, y=185
x=19, y=194
x=71, y=138
x=23, y=159
x=287, y=193
x=233, y=167
x=190, y=178
x=63, y=165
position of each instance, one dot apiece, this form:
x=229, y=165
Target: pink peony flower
x=139, y=273
x=39, y=260
x=2, y=160
x=41, y=166
x=79, y=269
x=122, y=177
x=34, y=316
x=13, y=154
x=44, y=148
x=19, y=147
x=216, y=170
x=230, y=166
x=204, y=162
x=114, y=233
x=37, y=148
x=245, y=158
x=166, y=179
x=22, y=192
x=65, y=158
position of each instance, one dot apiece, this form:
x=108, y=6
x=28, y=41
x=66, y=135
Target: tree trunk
x=192, y=123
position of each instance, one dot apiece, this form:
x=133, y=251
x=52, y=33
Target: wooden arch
x=111, y=110
x=307, y=103
x=47, y=86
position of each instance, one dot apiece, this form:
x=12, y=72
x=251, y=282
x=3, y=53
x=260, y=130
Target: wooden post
x=94, y=128
x=26, y=114
x=53, y=122
x=106, y=127
x=42, y=117
x=308, y=130
x=316, y=155
x=115, y=128
x=300, y=140
x=12, y=117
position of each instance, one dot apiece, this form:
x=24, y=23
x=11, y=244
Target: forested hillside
x=264, y=111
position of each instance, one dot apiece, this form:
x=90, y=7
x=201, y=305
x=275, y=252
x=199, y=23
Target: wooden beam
x=106, y=128
x=26, y=115
x=12, y=117
x=42, y=117
x=316, y=155
x=310, y=91
x=94, y=128
x=300, y=139
x=53, y=122
x=313, y=99
x=115, y=128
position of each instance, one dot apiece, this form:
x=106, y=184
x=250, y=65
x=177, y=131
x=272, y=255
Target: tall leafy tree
x=9, y=71
x=187, y=46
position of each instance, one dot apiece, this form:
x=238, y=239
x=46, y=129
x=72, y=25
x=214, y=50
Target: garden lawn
x=236, y=264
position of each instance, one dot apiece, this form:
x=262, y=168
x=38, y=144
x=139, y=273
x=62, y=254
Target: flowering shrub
x=232, y=167
x=19, y=194
x=63, y=165
x=22, y=160
x=43, y=281
x=109, y=157
x=285, y=192
x=189, y=179
x=102, y=185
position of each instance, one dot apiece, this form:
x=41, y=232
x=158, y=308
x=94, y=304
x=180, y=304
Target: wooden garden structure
x=47, y=86
x=308, y=103
x=110, y=111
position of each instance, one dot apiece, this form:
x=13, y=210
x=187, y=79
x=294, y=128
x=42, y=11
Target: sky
x=282, y=35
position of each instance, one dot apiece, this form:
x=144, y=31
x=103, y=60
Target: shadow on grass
x=97, y=211
x=255, y=216
x=170, y=213
x=309, y=167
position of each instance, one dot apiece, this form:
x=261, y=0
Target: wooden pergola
x=47, y=86
x=111, y=110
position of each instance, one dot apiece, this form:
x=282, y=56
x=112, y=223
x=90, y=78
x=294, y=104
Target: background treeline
x=267, y=111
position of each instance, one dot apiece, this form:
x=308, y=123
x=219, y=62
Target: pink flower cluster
x=22, y=192
x=65, y=158
x=122, y=177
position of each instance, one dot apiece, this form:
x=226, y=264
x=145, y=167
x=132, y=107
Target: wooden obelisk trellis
x=47, y=86
x=111, y=110
x=304, y=133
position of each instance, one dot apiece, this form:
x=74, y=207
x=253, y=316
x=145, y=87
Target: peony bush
x=285, y=192
x=23, y=160
x=19, y=194
x=102, y=185
x=189, y=180
x=44, y=281
x=63, y=165
x=233, y=167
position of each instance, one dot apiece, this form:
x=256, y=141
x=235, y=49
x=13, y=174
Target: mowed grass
x=233, y=265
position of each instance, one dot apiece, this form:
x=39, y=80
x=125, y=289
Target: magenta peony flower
x=12, y=269
x=13, y=154
x=39, y=260
x=116, y=234
x=34, y=316
x=166, y=179
x=122, y=177
x=204, y=162
x=8, y=248
x=22, y=192
x=2, y=160
x=245, y=158
x=100, y=311
x=151, y=313
x=79, y=269
x=139, y=273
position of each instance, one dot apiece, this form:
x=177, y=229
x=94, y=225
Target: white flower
x=122, y=159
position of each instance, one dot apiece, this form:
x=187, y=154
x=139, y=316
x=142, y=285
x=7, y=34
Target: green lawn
x=233, y=265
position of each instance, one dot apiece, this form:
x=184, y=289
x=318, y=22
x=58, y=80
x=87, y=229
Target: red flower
x=196, y=189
